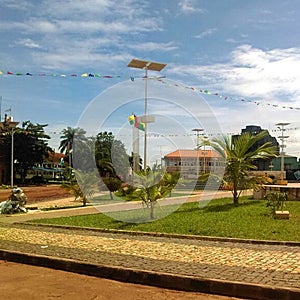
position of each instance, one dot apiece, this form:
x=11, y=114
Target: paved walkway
x=273, y=265
x=276, y=265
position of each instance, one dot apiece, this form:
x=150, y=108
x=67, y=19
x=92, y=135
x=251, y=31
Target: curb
x=162, y=280
x=167, y=235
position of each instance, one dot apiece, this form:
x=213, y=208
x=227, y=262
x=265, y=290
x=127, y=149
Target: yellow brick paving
x=240, y=257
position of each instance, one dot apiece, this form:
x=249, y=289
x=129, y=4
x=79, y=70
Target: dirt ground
x=19, y=281
x=36, y=194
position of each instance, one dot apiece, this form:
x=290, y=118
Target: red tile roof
x=192, y=154
x=54, y=157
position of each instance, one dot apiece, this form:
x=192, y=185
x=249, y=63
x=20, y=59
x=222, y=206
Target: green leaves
x=30, y=146
x=240, y=153
x=154, y=184
x=276, y=201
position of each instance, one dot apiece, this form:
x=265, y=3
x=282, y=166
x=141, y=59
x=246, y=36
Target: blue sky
x=248, y=52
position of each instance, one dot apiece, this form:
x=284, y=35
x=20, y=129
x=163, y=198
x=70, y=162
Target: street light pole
x=12, y=125
x=146, y=113
x=146, y=65
x=12, y=159
x=197, y=130
x=282, y=153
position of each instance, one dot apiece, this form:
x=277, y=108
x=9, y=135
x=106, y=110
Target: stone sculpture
x=15, y=202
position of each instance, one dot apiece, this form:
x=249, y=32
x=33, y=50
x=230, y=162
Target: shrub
x=276, y=201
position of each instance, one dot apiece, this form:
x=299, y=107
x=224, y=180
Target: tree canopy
x=30, y=146
x=240, y=154
x=110, y=154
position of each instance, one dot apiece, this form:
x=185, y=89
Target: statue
x=15, y=202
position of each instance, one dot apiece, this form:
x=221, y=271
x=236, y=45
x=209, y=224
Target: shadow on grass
x=129, y=224
x=125, y=221
x=227, y=206
x=214, y=207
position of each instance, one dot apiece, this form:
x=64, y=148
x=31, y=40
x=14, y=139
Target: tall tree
x=83, y=155
x=239, y=155
x=67, y=141
x=30, y=147
x=111, y=157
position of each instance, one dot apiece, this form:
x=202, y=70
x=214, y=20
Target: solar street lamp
x=153, y=66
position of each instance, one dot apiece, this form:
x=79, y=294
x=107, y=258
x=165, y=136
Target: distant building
x=261, y=164
x=191, y=162
x=291, y=167
x=52, y=167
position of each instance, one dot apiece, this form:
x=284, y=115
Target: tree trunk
x=235, y=197
x=235, y=192
x=151, y=210
x=84, y=200
x=23, y=174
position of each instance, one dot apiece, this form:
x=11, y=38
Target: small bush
x=276, y=201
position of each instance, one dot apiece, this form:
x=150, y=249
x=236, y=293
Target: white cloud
x=206, y=33
x=269, y=79
x=88, y=17
x=29, y=43
x=252, y=72
x=29, y=26
x=73, y=8
x=41, y=26
x=151, y=46
x=22, y=5
x=189, y=7
x=66, y=59
x=81, y=32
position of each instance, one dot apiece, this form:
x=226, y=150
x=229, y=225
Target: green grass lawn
x=250, y=220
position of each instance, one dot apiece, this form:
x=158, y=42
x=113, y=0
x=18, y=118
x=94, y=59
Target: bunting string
x=160, y=79
x=158, y=135
x=72, y=75
x=223, y=97
x=210, y=135
x=84, y=75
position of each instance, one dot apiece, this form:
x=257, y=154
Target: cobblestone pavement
x=268, y=264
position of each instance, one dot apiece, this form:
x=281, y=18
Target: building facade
x=52, y=168
x=291, y=167
x=192, y=162
x=261, y=164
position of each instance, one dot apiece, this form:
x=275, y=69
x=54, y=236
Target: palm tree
x=67, y=142
x=82, y=185
x=240, y=153
x=154, y=185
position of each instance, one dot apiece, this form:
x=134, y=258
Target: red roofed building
x=53, y=167
x=191, y=162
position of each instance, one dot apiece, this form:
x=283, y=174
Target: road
x=19, y=281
